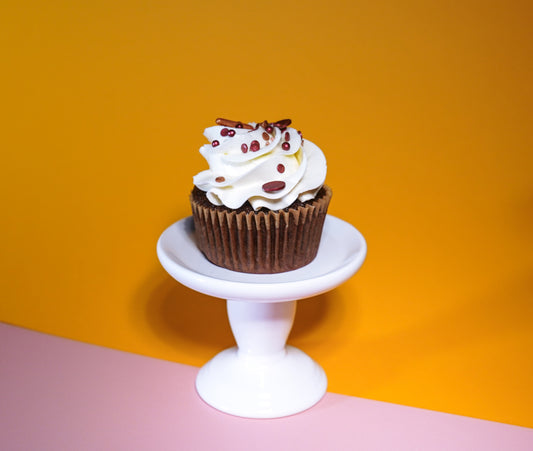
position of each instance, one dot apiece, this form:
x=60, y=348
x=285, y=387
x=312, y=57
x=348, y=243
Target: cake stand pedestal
x=261, y=377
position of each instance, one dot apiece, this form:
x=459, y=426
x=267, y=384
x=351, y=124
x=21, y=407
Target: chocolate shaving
x=284, y=123
x=234, y=124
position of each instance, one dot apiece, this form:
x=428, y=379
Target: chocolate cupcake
x=261, y=205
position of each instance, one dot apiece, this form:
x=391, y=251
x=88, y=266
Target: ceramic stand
x=261, y=377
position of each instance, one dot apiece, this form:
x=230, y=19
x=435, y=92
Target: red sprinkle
x=281, y=168
x=238, y=125
x=215, y=143
x=287, y=136
x=254, y=146
x=231, y=133
x=266, y=136
x=224, y=132
x=272, y=187
x=269, y=128
x=285, y=146
x=244, y=148
x=220, y=179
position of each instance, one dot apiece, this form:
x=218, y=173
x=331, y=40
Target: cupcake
x=261, y=205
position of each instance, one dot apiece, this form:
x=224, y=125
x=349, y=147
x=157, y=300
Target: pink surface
x=58, y=394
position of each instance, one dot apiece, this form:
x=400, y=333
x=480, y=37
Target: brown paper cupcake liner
x=261, y=241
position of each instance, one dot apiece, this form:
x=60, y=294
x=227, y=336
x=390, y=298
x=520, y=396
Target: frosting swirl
x=267, y=164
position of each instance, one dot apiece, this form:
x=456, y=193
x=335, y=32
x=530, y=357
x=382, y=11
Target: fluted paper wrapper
x=264, y=241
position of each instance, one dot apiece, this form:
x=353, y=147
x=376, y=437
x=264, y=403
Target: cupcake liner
x=264, y=241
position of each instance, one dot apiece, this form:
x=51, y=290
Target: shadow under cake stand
x=262, y=377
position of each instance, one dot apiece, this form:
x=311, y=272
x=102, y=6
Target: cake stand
x=261, y=377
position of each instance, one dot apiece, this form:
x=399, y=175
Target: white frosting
x=235, y=176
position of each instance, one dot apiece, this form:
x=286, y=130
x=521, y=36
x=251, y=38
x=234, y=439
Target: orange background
x=423, y=109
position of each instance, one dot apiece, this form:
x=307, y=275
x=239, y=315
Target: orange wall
x=424, y=111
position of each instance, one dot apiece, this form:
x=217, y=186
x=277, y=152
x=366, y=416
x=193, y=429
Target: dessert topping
x=263, y=163
x=272, y=187
x=235, y=124
x=254, y=146
x=284, y=123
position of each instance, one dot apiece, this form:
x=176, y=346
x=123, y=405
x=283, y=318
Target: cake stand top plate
x=341, y=253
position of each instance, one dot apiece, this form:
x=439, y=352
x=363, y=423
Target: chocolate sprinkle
x=220, y=179
x=233, y=124
x=272, y=187
x=284, y=123
x=266, y=136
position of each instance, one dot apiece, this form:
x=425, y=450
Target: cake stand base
x=252, y=387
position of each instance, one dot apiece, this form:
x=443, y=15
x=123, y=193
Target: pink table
x=58, y=394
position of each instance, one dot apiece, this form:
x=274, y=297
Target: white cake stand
x=261, y=377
